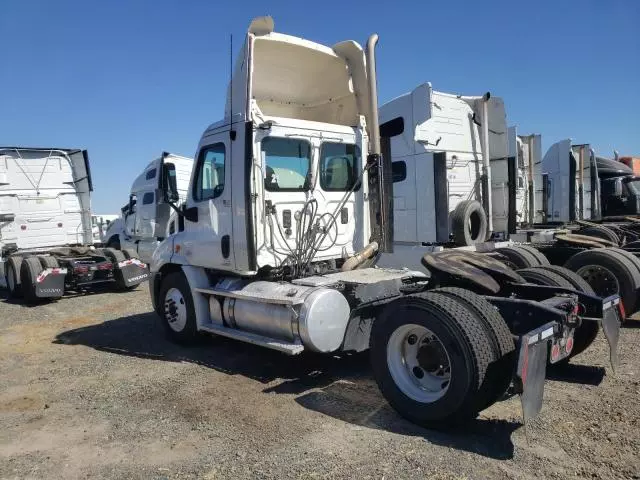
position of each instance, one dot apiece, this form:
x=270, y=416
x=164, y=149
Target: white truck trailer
x=46, y=230
x=274, y=250
x=147, y=219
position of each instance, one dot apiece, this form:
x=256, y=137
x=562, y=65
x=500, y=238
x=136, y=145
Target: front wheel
x=175, y=307
x=430, y=357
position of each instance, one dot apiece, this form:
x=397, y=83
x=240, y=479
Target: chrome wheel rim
x=175, y=310
x=602, y=280
x=418, y=363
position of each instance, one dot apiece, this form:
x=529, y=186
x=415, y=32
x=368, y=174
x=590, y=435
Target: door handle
x=226, y=203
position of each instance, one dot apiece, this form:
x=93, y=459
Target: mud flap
x=611, y=327
x=131, y=272
x=50, y=283
x=532, y=369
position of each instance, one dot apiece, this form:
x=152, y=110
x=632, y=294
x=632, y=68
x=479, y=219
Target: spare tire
x=608, y=272
x=469, y=223
x=600, y=231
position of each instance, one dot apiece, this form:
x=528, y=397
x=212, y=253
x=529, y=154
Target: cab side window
x=210, y=179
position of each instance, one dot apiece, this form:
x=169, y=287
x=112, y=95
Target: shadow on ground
x=575, y=373
x=340, y=387
x=94, y=290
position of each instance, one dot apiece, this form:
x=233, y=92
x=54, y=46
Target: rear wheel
x=48, y=261
x=29, y=271
x=542, y=260
x=430, y=356
x=588, y=331
x=517, y=257
x=14, y=285
x=175, y=305
x=500, y=371
x=608, y=272
x=114, y=243
x=129, y=253
x=600, y=231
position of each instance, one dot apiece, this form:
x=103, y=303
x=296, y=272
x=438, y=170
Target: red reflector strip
x=105, y=266
x=623, y=314
x=569, y=346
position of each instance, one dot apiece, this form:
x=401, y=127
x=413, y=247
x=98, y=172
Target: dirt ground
x=90, y=388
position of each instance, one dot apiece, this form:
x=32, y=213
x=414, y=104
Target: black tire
x=629, y=256
x=13, y=268
x=542, y=260
x=469, y=223
x=541, y=276
x=189, y=333
x=577, y=282
x=29, y=271
x=600, y=231
x=113, y=255
x=585, y=335
x=500, y=371
x=517, y=257
x=129, y=253
x=47, y=261
x=114, y=242
x=467, y=346
x=617, y=272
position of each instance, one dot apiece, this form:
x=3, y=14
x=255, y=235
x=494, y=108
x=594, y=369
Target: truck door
x=208, y=242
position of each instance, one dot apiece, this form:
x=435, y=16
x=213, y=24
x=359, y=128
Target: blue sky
x=128, y=79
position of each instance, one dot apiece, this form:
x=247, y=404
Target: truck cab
x=147, y=218
x=289, y=205
x=292, y=140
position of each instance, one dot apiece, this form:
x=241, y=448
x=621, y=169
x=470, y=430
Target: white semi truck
x=446, y=151
x=46, y=230
x=147, y=219
x=274, y=249
x=99, y=226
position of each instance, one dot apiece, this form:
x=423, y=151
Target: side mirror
x=132, y=205
x=617, y=188
x=190, y=214
x=169, y=184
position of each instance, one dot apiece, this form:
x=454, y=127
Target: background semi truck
x=147, y=219
x=461, y=177
x=276, y=250
x=46, y=229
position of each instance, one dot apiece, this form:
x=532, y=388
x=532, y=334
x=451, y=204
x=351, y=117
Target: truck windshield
x=287, y=163
x=338, y=166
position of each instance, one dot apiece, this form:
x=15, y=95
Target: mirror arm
x=177, y=210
